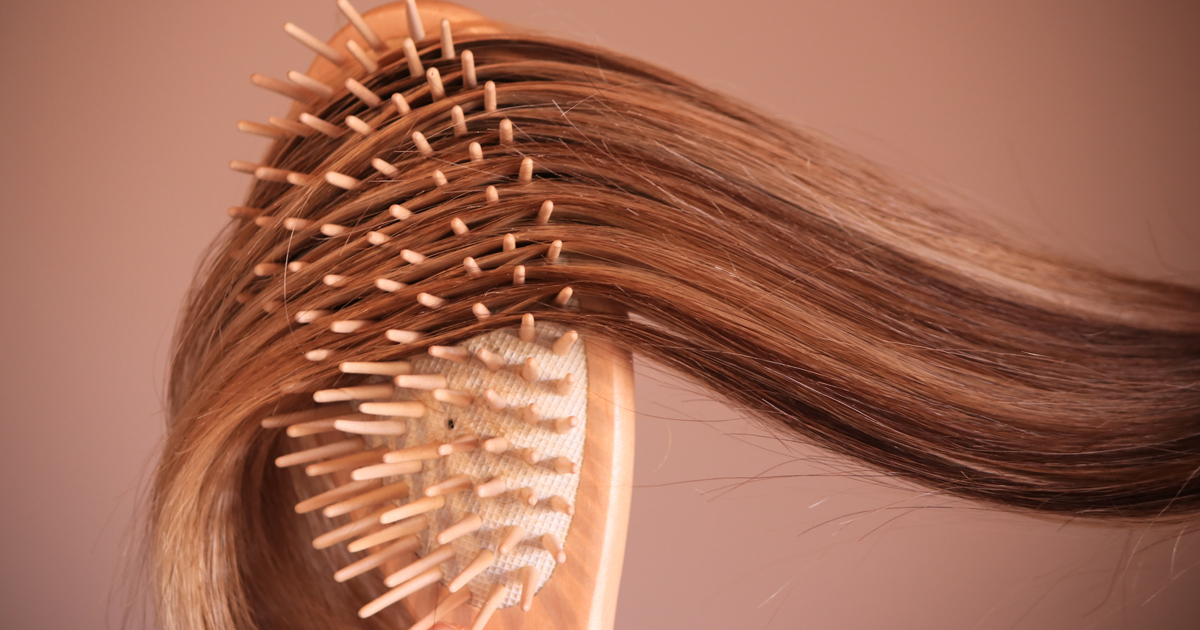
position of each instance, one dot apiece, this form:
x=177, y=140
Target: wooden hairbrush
x=485, y=483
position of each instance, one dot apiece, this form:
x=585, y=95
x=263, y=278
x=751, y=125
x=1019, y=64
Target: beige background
x=1077, y=122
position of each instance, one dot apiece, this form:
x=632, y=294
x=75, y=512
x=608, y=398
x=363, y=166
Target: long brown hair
x=789, y=276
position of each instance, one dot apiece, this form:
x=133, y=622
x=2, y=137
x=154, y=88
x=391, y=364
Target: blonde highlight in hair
x=791, y=277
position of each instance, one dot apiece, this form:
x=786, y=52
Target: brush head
x=474, y=456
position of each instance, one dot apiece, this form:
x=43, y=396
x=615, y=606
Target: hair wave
x=834, y=300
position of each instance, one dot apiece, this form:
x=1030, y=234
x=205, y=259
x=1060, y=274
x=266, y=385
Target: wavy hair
x=830, y=298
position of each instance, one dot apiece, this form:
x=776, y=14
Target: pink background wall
x=1077, y=122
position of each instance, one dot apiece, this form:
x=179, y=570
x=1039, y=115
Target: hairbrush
x=484, y=483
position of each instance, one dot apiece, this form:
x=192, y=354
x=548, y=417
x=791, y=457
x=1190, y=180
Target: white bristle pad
x=479, y=419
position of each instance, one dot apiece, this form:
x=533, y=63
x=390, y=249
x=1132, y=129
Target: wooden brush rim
x=390, y=23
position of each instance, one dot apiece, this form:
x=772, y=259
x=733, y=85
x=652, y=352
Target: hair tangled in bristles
x=793, y=278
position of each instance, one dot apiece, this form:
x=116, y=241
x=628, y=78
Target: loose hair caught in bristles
x=437, y=196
